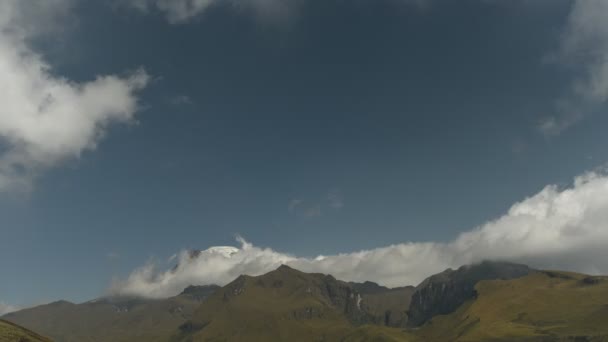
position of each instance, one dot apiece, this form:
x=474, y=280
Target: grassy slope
x=295, y=307
x=10, y=332
x=67, y=322
x=276, y=307
x=544, y=305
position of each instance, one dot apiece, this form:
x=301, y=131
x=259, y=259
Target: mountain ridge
x=485, y=301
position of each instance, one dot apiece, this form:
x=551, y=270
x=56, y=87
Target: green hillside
x=543, y=306
x=10, y=332
x=286, y=305
x=289, y=305
x=113, y=319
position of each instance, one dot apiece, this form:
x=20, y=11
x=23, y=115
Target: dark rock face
x=387, y=306
x=368, y=287
x=343, y=296
x=199, y=293
x=335, y=293
x=445, y=292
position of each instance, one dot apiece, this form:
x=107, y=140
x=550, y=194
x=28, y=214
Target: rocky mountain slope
x=542, y=306
x=491, y=301
x=443, y=293
x=284, y=305
x=387, y=307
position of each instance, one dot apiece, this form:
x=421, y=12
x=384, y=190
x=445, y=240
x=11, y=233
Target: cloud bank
x=584, y=46
x=46, y=119
x=556, y=228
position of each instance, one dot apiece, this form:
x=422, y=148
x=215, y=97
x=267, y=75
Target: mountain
x=286, y=305
x=387, y=306
x=10, y=332
x=317, y=303
x=443, y=293
x=542, y=306
x=113, y=319
x=490, y=301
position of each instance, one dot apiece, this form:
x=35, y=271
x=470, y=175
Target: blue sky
x=322, y=127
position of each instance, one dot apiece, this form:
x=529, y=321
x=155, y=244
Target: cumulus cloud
x=584, y=46
x=6, y=308
x=556, y=228
x=45, y=118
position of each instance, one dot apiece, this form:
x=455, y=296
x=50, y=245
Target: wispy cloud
x=112, y=255
x=182, y=11
x=584, y=48
x=335, y=199
x=181, y=100
x=302, y=208
x=6, y=308
x=332, y=201
x=564, y=228
x=47, y=119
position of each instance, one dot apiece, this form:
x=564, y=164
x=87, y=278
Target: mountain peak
x=285, y=268
x=442, y=293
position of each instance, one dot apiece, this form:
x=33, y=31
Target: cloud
x=584, y=47
x=112, y=255
x=6, y=308
x=217, y=265
x=556, y=228
x=332, y=201
x=45, y=118
x=180, y=11
x=301, y=208
x=181, y=100
x=335, y=199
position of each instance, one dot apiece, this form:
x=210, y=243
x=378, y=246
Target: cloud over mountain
x=556, y=228
x=6, y=308
x=46, y=118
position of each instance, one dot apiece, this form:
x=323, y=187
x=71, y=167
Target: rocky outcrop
x=199, y=293
x=443, y=293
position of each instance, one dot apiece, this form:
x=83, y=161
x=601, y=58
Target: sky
x=380, y=140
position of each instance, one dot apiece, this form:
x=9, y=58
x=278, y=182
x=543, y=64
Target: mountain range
x=489, y=301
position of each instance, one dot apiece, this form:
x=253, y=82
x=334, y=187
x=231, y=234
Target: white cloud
x=6, y=308
x=213, y=266
x=584, y=46
x=46, y=119
x=556, y=228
